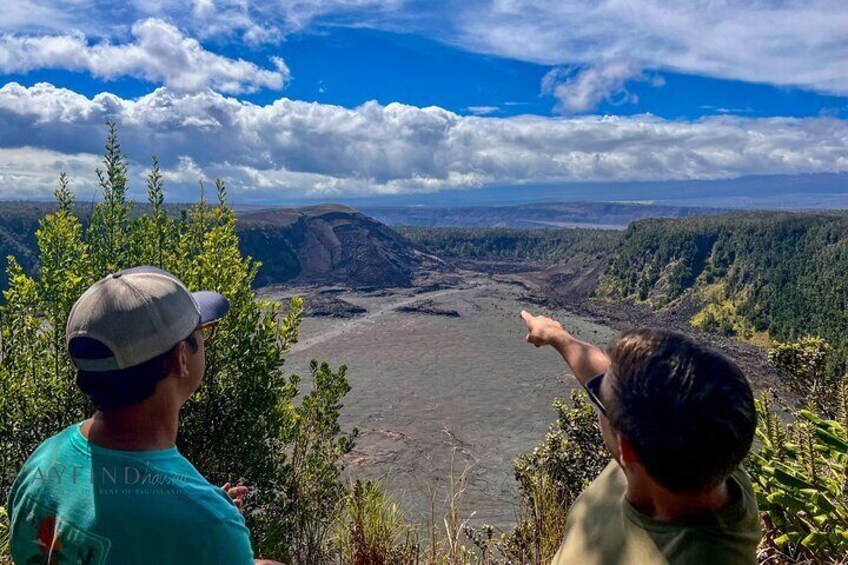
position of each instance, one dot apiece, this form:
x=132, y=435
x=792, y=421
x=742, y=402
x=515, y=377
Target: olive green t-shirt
x=603, y=527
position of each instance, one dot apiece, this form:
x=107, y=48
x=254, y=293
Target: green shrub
x=310, y=498
x=4, y=537
x=804, y=367
x=799, y=475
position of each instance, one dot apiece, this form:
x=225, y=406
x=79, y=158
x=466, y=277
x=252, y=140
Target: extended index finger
x=527, y=317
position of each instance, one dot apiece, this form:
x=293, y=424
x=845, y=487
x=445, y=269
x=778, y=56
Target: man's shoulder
x=600, y=502
x=602, y=528
x=48, y=448
x=742, y=519
x=49, y=461
x=594, y=528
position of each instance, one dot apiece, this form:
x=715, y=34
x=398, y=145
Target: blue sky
x=349, y=66
x=347, y=98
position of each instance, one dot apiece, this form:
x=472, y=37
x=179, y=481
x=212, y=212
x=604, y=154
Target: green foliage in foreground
x=372, y=529
x=4, y=537
x=799, y=466
x=550, y=246
x=800, y=474
x=312, y=491
x=244, y=424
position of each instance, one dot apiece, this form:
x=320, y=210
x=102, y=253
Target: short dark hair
x=111, y=390
x=686, y=409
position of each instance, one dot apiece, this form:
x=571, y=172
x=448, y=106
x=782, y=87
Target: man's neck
x=143, y=427
x=665, y=506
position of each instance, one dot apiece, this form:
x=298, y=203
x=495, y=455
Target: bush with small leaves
x=804, y=364
x=4, y=538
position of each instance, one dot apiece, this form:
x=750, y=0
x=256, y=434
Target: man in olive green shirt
x=678, y=419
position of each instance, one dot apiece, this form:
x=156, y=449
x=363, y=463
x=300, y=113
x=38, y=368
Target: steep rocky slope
x=330, y=244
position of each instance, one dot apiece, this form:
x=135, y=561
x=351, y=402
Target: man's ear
x=626, y=453
x=179, y=361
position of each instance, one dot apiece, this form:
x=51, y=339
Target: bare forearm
x=586, y=360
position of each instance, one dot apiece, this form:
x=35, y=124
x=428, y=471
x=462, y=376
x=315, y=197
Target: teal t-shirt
x=75, y=502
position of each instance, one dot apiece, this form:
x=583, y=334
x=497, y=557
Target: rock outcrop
x=330, y=244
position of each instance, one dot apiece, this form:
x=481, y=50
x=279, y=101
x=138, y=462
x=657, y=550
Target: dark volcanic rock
x=323, y=305
x=500, y=267
x=331, y=244
x=428, y=307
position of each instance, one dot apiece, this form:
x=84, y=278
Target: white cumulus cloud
x=293, y=149
x=31, y=172
x=250, y=21
x=584, y=89
x=159, y=53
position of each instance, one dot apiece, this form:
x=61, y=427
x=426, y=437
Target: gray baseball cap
x=136, y=315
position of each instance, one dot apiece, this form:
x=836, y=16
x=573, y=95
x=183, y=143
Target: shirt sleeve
x=230, y=544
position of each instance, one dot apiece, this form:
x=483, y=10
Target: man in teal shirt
x=114, y=489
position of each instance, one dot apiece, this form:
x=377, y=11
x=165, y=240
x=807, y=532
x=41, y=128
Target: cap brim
x=212, y=305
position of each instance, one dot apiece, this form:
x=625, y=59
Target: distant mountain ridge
x=805, y=191
x=604, y=215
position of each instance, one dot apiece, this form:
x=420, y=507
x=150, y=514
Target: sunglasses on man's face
x=207, y=332
x=593, y=391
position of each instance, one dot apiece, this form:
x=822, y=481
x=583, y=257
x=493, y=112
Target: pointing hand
x=542, y=330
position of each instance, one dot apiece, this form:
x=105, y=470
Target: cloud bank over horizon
x=292, y=148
